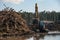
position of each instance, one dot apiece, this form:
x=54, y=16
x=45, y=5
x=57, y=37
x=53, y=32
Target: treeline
x=43, y=16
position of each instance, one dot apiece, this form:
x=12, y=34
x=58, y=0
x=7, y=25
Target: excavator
x=37, y=25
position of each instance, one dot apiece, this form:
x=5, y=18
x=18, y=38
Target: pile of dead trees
x=12, y=22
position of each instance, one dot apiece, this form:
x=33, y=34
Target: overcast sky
x=28, y=5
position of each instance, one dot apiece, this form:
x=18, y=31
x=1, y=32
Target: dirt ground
x=13, y=38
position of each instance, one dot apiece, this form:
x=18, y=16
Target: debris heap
x=12, y=22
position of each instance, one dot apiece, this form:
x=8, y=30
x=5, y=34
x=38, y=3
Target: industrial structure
x=36, y=10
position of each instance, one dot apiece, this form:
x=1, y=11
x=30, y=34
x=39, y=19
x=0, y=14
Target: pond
x=47, y=37
x=52, y=37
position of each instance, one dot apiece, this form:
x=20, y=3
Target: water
x=52, y=37
x=47, y=37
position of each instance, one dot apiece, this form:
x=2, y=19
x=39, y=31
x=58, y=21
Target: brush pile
x=12, y=22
